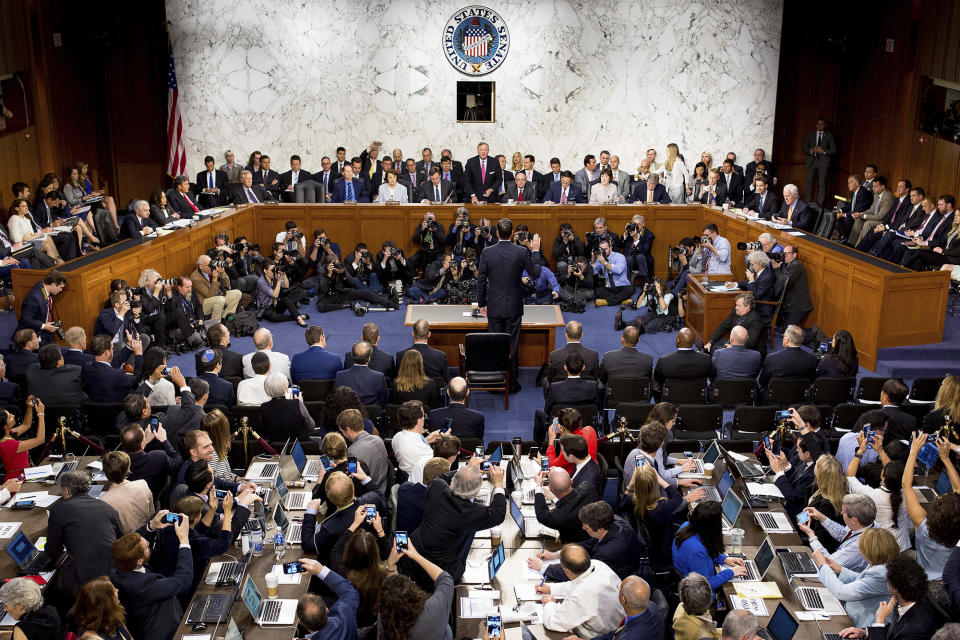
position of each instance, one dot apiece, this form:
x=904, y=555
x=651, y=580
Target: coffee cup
x=273, y=585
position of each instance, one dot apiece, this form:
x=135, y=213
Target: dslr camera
x=323, y=241
x=567, y=233
x=521, y=237
x=296, y=235
x=365, y=255
x=631, y=227
x=59, y=330
x=592, y=237
x=485, y=231
x=749, y=246
x=464, y=223
x=218, y=264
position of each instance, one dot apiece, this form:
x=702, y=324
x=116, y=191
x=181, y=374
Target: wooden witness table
x=885, y=304
x=707, y=309
x=449, y=323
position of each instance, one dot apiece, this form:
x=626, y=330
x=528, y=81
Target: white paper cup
x=273, y=582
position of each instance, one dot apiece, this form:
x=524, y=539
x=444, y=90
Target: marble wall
x=301, y=76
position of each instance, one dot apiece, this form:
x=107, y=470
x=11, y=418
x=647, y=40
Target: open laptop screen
x=764, y=557
x=251, y=597
x=782, y=626
x=21, y=549
x=299, y=457
x=517, y=516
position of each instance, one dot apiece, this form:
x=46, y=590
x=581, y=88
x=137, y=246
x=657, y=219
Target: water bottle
x=245, y=541
x=256, y=541
x=279, y=546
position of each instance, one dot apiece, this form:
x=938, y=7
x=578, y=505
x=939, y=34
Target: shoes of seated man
x=618, y=324
x=600, y=302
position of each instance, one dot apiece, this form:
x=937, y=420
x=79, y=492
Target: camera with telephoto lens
x=169, y=282
x=522, y=236
x=218, y=264
x=700, y=239
x=338, y=267
x=434, y=227
x=749, y=246
x=296, y=234
x=631, y=227
x=592, y=237
x=567, y=233
x=323, y=241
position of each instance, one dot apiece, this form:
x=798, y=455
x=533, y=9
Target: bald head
x=574, y=331
x=421, y=330
x=685, y=338
x=263, y=339
x=739, y=625
x=560, y=483
x=634, y=595
x=457, y=389
x=630, y=337
x=574, y=559
x=738, y=336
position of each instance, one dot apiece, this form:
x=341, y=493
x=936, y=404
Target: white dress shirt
x=410, y=448
x=250, y=392
x=590, y=606
x=279, y=363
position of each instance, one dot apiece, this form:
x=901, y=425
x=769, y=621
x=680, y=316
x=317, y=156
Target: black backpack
x=244, y=323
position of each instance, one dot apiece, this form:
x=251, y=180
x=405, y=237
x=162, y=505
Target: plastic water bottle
x=256, y=541
x=279, y=546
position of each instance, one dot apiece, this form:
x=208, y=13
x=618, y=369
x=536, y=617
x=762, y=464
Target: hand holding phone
x=351, y=465
x=803, y=517
x=371, y=513
x=171, y=518
x=291, y=568
x=401, y=541
x=494, y=627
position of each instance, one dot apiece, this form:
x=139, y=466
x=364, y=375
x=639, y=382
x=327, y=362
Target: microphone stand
x=62, y=432
x=247, y=431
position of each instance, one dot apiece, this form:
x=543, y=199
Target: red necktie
x=520, y=195
x=192, y=206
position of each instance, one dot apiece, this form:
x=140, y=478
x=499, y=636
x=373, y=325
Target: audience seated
x=339, y=620
x=791, y=361
x=316, y=363
x=320, y=535
x=841, y=359
x=250, y=391
x=406, y=609
x=568, y=422
x=685, y=363
x=368, y=449
x=334, y=446
x=585, y=606
x=625, y=362
x=132, y=499
x=209, y=368
x=586, y=470
x=464, y=422
x=281, y=416
x=569, y=392
x=653, y=437
x=651, y=513
x=35, y=620
x=103, y=382
x=591, y=359
x=795, y=481
x=699, y=546
x=54, y=383
x=858, y=512
x=888, y=498
x=434, y=361
x=691, y=620
x=379, y=360
x=900, y=424
x=14, y=452
x=744, y=314
x=412, y=383
x=735, y=360
x=564, y=516
x=370, y=385
x=412, y=496
x=155, y=466
x=219, y=338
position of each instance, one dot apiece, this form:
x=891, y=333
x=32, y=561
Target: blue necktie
x=210, y=175
x=349, y=191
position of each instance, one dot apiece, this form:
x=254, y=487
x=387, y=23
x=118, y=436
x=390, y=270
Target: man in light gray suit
x=588, y=175
x=883, y=200
x=622, y=178
x=513, y=190
x=819, y=148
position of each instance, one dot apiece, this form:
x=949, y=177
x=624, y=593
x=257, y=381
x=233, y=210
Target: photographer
x=154, y=295
x=294, y=266
x=292, y=238
x=566, y=248
x=211, y=284
x=334, y=290
x=610, y=267
x=274, y=297
x=393, y=270
x=486, y=236
x=118, y=321
x=686, y=260
x=662, y=310
x=186, y=312
x=462, y=233
x=715, y=250
x=431, y=239
x=241, y=266
x=360, y=269
x=637, y=242
x=322, y=250
x=544, y=290
x=600, y=231
x=462, y=285
x=432, y=288
x=790, y=273
x=579, y=283
x=765, y=243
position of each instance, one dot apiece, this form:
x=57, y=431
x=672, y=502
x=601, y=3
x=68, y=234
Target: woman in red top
x=15, y=453
x=569, y=421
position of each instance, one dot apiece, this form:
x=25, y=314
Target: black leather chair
x=101, y=417
x=845, y=416
x=627, y=390
x=924, y=390
x=868, y=391
x=250, y=414
x=316, y=409
x=788, y=392
x=685, y=391
x=485, y=363
x=753, y=420
x=635, y=412
x=832, y=391
x=733, y=392
x=698, y=417
x=315, y=390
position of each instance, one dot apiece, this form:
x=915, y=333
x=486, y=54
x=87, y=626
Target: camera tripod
x=61, y=433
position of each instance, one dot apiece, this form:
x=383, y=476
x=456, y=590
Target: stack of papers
x=753, y=605
x=38, y=473
x=7, y=529
x=477, y=607
x=764, y=490
x=526, y=592
x=757, y=589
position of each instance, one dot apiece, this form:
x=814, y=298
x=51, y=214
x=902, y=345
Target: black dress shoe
x=515, y=388
x=618, y=324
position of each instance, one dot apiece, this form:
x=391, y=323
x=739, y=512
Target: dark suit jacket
x=591, y=361
x=640, y=194
x=752, y=322
x=554, y=191
x=59, y=387
x=919, y=623
x=379, y=361
x=19, y=362
x=155, y=466
x=828, y=144
x=178, y=202
x=33, y=315
x=735, y=361
x=411, y=499
x=625, y=362
x=565, y=515
x=73, y=356
x=449, y=520
x=425, y=191
x=900, y=424
x=476, y=184
x=266, y=181
x=510, y=192
x=106, y=384
x=238, y=195
x=10, y=393
x=286, y=178
x=770, y=204
x=546, y=179
x=370, y=385
x=151, y=598
x=316, y=363
x=733, y=193
x=789, y=362
x=221, y=391
x=795, y=485
x=803, y=216
x=501, y=266
x=589, y=476
x=434, y=361
x=570, y=392
x=763, y=288
x=331, y=178
x=131, y=226
x=181, y=418
x=859, y=201
x=750, y=170
x=86, y=528
x=160, y=217
x=467, y=423
x=339, y=192
x=619, y=550
x=648, y=624
x=685, y=363
x=797, y=297
x=232, y=363
x=219, y=181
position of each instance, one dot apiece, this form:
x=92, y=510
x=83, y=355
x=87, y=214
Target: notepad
x=533, y=574
x=753, y=605
x=757, y=489
x=757, y=590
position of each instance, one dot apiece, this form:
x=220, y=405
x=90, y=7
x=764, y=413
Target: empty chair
x=390, y=423
x=868, y=391
x=845, y=416
x=250, y=414
x=924, y=390
x=684, y=391
x=102, y=416
x=635, y=412
x=754, y=419
x=787, y=392
x=832, y=391
x=485, y=363
x=314, y=390
x=732, y=392
x=627, y=390
x=698, y=417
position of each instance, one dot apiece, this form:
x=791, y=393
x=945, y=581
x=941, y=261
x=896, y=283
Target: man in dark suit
x=150, y=597
x=10, y=393
x=744, y=314
x=861, y=197
x=454, y=175
x=921, y=618
x=907, y=215
x=760, y=281
x=573, y=391
x=348, y=188
x=103, y=382
x=500, y=285
x=427, y=163
x=791, y=274
x=565, y=515
x=796, y=481
x=267, y=179
x=211, y=184
x=736, y=361
x=685, y=362
x=155, y=466
x=627, y=361
x=23, y=356
x=731, y=182
x=247, y=192
x=434, y=361
x=759, y=156
x=49, y=211
x=450, y=517
x=316, y=363
x=819, y=148
x=455, y=165
x=466, y=423
x=290, y=179
x=379, y=360
x=564, y=191
x=795, y=211
x=762, y=201
x=181, y=200
x=412, y=174
x=436, y=189
x=37, y=312
x=650, y=191
x=558, y=358
x=218, y=337
x=900, y=424
x=533, y=176
x=137, y=223
x=482, y=176
x=370, y=385
x=53, y=382
x=586, y=470
x=86, y=529
x=209, y=366
x=791, y=361
x=555, y=175
x=74, y=352
x=519, y=189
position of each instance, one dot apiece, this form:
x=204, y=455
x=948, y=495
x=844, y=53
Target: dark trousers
x=277, y=312
x=817, y=168
x=614, y=295
x=919, y=259
x=509, y=325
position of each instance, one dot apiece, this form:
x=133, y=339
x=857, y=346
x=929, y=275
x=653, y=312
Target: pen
x=542, y=580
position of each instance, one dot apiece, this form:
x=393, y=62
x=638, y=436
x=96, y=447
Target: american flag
x=474, y=42
x=176, y=155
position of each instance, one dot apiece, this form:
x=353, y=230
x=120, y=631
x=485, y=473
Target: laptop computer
x=263, y=472
x=770, y=521
x=782, y=625
x=730, y=507
x=710, y=456
x=716, y=493
x=265, y=612
x=495, y=562
x=233, y=631
x=927, y=495
x=29, y=559
x=757, y=567
x=743, y=468
x=291, y=530
x=797, y=564
x=215, y=607
x=307, y=468
x=819, y=599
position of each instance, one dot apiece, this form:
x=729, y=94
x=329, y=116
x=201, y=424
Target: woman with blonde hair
x=674, y=174
x=946, y=408
x=217, y=427
x=707, y=159
x=412, y=382
x=828, y=499
x=516, y=162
